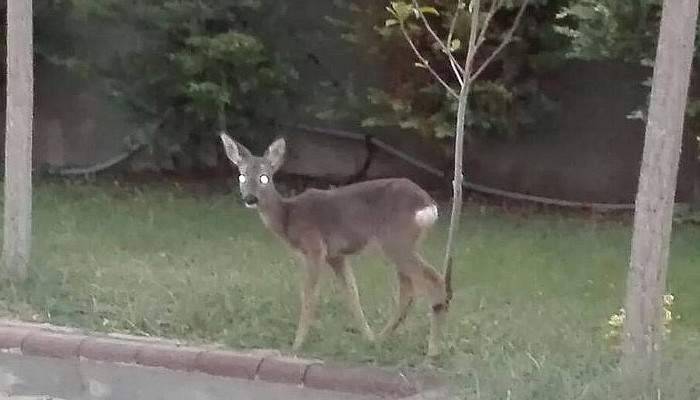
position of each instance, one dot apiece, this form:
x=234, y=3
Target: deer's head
x=256, y=173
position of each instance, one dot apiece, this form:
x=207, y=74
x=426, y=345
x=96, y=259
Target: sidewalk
x=73, y=379
x=40, y=360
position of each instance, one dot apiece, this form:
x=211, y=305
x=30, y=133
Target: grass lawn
x=533, y=292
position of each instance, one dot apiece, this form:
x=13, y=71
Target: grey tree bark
x=656, y=192
x=18, y=140
x=463, y=100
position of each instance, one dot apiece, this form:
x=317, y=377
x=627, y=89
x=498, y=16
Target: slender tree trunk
x=463, y=102
x=18, y=139
x=458, y=177
x=656, y=193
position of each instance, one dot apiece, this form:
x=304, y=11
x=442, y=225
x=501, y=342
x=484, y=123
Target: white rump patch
x=427, y=216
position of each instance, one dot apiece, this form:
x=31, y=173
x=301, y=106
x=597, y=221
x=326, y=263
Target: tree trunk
x=18, y=139
x=458, y=177
x=694, y=172
x=656, y=193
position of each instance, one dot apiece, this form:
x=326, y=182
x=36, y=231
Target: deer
x=325, y=227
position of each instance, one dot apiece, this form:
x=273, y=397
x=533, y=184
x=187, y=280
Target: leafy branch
x=402, y=13
x=465, y=74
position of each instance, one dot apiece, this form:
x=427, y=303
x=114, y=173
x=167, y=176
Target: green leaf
x=398, y=106
x=411, y=123
x=429, y=10
x=336, y=22
x=443, y=130
x=584, y=12
x=371, y=122
x=455, y=45
x=350, y=38
x=390, y=22
x=326, y=115
x=401, y=10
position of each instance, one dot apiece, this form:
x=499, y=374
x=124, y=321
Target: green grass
x=532, y=291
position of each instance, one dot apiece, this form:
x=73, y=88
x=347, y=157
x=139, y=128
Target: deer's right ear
x=275, y=153
x=235, y=152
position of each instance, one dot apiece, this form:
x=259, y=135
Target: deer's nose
x=250, y=200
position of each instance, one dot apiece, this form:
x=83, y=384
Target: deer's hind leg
x=347, y=279
x=425, y=281
x=436, y=290
x=403, y=305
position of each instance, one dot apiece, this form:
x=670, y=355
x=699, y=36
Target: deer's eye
x=241, y=178
x=264, y=179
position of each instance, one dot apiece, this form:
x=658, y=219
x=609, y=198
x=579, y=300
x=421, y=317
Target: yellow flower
x=668, y=299
x=668, y=317
x=617, y=319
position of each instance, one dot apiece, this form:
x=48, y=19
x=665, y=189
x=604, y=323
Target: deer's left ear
x=235, y=152
x=275, y=153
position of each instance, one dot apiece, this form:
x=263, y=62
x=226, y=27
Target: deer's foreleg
x=309, y=293
x=347, y=278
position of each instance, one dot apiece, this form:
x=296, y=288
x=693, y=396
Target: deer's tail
x=426, y=217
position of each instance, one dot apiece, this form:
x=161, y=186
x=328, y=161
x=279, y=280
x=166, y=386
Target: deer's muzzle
x=250, y=201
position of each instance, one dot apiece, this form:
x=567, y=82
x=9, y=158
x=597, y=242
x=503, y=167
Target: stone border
x=49, y=341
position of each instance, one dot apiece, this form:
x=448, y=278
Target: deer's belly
x=345, y=245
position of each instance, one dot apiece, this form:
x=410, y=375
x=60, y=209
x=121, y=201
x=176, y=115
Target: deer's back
x=349, y=217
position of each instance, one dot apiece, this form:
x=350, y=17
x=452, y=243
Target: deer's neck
x=273, y=212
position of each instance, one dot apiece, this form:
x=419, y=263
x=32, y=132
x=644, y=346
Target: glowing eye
x=264, y=179
x=241, y=178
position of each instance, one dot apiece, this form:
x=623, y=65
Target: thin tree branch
x=445, y=48
x=495, y=5
x=471, y=50
x=506, y=40
x=450, y=34
x=453, y=24
x=425, y=63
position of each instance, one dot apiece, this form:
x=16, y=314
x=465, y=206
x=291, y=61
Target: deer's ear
x=235, y=152
x=275, y=153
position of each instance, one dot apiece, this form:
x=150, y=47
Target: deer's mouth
x=250, y=201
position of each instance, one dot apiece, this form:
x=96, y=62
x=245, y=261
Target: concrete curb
x=48, y=341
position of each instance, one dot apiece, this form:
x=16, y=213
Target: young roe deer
x=327, y=226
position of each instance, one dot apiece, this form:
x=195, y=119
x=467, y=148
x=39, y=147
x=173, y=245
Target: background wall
x=588, y=152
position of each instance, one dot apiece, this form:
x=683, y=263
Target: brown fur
x=326, y=226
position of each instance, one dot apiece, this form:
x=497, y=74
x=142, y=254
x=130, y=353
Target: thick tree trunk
x=18, y=139
x=655, y=196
